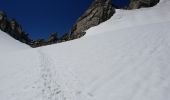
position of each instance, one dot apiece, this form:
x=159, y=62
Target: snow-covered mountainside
x=8, y=44
x=125, y=19
x=125, y=58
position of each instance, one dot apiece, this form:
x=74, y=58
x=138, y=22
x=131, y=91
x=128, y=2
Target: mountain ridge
x=98, y=12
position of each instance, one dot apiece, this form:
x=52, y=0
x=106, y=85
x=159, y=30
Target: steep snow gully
x=125, y=58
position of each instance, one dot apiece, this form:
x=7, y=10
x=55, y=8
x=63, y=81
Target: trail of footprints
x=54, y=84
x=57, y=84
x=50, y=88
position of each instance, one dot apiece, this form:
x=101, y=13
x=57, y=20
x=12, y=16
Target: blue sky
x=120, y=3
x=41, y=17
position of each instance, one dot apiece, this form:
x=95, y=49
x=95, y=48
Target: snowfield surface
x=132, y=18
x=8, y=44
x=125, y=58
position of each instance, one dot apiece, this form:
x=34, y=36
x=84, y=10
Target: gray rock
x=12, y=28
x=53, y=38
x=135, y=4
x=64, y=38
x=3, y=21
x=98, y=12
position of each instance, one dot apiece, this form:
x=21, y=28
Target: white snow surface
x=125, y=58
x=8, y=44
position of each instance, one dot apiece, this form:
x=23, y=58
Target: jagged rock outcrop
x=3, y=21
x=135, y=4
x=38, y=43
x=13, y=28
x=98, y=12
x=53, y=38
x=64, y=38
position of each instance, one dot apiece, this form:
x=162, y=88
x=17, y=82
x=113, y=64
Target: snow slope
x=8, y=44
x=132, y=18
x=126, y=62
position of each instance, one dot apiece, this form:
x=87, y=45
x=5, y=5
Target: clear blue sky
x=41, y=17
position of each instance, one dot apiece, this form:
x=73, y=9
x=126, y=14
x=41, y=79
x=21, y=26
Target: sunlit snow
x=125, y=58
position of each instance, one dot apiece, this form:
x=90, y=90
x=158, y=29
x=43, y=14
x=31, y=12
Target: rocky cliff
x=13, y=28
x=135, y=4
x=98, y=12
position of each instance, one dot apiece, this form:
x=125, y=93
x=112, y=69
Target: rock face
x=13, y=28
x=53, y=38
x=3, y=21
x=98, y=12
x=135, y=4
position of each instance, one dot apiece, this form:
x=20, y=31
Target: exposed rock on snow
x=98, y=12
x=3, y=21
x=135, y=4
x=13, y=28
